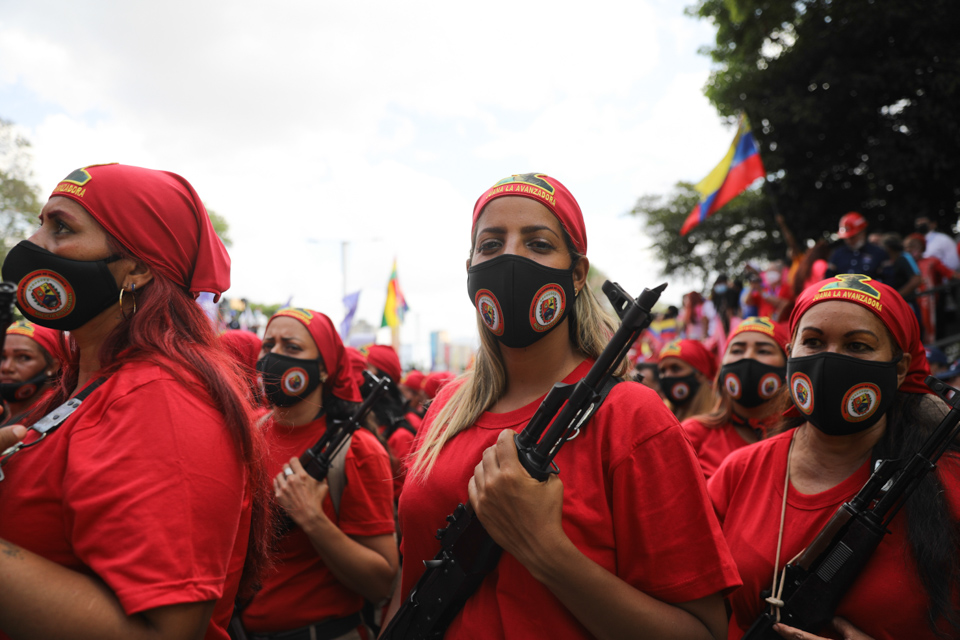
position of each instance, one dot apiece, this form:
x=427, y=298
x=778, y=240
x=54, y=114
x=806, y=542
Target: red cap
x=694, y=354
x=331, y=348
x=385, y=359
x=548, y=192
x=414, y=380
x=886, y=304
x=157, y=216
x=775, y=330
x=435, y=381
x=851, y=224
x=49, y=339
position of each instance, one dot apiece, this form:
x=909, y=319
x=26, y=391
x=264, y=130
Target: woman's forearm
x=610, y=608
x=368, y=568
x=41, y=599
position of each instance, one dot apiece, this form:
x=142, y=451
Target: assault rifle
x=818, y=580
x=467, y=552
x=318, y=459
x=8, y=295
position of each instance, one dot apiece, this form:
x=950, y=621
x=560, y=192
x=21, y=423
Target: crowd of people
x=152, y=487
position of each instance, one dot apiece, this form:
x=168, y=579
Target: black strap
x=327, y=630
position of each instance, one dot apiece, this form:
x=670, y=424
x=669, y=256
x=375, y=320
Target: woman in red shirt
x=855, y=374
x=134, y=517
x=750, y=384
x=585, y=553
x=342, y=549
x=28, y=368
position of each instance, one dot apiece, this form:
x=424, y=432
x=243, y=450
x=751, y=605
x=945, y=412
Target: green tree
x=853, y=102
x=220, y=225
x=743, y=230
x=19, y=198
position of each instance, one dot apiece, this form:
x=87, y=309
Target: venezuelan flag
x=737, y=171
x=396, y=305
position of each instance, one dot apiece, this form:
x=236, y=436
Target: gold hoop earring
x=133, y=293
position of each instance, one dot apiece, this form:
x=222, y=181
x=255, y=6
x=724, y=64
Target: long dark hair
x=170, y=329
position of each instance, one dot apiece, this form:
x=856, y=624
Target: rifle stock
x=467, y=552
x=822, y=575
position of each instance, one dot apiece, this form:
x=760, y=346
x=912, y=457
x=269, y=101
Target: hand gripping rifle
x=467, y=552
x=817, y=581
x=8, y=295
x=318, y=459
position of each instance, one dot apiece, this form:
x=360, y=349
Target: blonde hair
x=590, y=330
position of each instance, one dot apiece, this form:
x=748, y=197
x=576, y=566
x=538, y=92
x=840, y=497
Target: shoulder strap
x=337, y=476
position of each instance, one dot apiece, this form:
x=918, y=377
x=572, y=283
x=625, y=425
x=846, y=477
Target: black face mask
x=286, y=380
x=750, y=382
x=679, y=389
x=59, y=293
x=21, y=391
x=520, y=300
x=923, y=228
x=840, y=395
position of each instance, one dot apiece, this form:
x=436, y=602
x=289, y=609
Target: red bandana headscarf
x=358, y=364
x=435, y=381
x=335, y=361
x=882, y=301
x=49, y=339
x=694, y=354
x=157, y=216
x=548, y=192
x=414, y=380
x=386, y=359
x=762, y=324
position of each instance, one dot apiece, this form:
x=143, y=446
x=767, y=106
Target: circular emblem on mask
x=294, y=381
x=732, y=384
x=681, y=390
x=769, y=385
x=547, y=308
x=46, y=295
x=861, y=402
x=802, y=390
x=25, y=391
x=489, y=309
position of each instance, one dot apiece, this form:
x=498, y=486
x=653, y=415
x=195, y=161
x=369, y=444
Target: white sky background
x=378, y=124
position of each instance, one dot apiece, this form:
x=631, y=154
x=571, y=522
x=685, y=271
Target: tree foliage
x=220, y=226
x=743, y=231
x=19, y=198
x=853, y=102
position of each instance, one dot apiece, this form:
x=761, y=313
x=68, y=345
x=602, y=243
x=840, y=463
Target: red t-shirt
x=712, y=444
x=886, y=602
x=299, y=589
x=140, y=487
x=400, y=443
x=634, y=502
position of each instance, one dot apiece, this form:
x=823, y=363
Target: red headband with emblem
x=884, y=302
x=358, y=364
x=335, y=361
x=385, y=359
x=49, y=339
x=762, y=324
x=157, y=216
x=694, y=354
x=548, y=192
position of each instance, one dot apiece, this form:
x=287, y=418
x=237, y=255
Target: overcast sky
x=314, y=126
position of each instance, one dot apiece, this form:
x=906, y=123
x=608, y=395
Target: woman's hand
x=299, y=494
x=522, y=514
x=11, y=435
x=846, y=630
